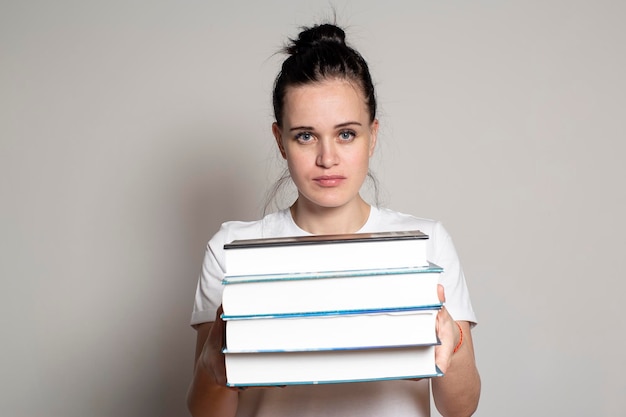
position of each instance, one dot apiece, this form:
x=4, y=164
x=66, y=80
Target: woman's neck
x=330, y=220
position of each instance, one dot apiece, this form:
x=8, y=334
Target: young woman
x=326, y=130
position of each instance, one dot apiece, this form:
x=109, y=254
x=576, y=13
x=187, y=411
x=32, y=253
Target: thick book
x=339, y=252
x=332, y=331
x=332, y=366
x=331, y=291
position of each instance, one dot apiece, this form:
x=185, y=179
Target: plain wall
x=131, y=129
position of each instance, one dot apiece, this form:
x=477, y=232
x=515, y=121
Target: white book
x=332, y=331
x=335, y=291
x=326, y=253
x=335, y=366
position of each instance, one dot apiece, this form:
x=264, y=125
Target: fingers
x=217, y=334
x=443, y=358
x=443, y=352
x=213, y=352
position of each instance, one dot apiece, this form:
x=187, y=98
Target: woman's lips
x=329, y=180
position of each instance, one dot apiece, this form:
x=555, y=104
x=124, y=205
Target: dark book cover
x=326, y=239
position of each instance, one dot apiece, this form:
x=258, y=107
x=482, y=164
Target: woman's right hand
x=212, y=355
x=208, y=395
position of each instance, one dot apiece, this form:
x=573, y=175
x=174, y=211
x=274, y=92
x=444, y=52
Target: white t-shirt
x=363, y=399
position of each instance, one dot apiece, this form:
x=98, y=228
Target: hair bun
x=321, y=53
x=316, y=36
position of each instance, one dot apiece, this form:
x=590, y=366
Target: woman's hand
x=212, y=356
x=448, y=333
x=208, y=395
x=458, y=391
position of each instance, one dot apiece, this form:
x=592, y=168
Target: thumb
x=441, y=293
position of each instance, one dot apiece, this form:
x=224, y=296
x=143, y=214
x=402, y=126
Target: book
x=329, y=309
x=331, y=291
x=332, y=331
x=331, y=366
x=339, y=252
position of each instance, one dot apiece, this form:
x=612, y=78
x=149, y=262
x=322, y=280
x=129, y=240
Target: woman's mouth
x=329, y=180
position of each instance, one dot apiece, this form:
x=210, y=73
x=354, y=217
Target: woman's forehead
x=336, y=99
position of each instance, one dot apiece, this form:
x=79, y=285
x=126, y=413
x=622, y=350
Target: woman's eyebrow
x=340, y=125
x=347, y=124
x=301, y=128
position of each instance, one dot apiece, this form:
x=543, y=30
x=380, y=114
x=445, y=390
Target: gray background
x=131, y=129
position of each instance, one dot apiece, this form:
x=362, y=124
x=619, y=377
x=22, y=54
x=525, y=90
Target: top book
x=316, y=253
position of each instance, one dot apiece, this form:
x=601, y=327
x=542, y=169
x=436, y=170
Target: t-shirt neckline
x=371, y=220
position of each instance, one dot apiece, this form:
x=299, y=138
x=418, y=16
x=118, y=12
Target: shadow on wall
x=212, y=182
x=170, y=197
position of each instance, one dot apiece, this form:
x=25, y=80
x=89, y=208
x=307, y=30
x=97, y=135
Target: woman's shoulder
x=388, y=219
x=384, y=219
x=271, y=225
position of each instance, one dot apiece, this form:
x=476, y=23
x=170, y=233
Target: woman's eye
x=304, y=137
x=347, y=135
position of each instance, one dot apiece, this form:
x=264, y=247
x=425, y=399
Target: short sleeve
x=444, y=254
x=209, y=290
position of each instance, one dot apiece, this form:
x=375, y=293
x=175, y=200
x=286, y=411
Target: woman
x=326, y=129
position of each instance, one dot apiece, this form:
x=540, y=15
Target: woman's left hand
x=448, y=333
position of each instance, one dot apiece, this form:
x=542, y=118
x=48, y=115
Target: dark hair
x=321, y=53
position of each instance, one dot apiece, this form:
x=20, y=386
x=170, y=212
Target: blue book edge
x=408, y=309
x=330, y=349
x=238, y=279
x=437, y=373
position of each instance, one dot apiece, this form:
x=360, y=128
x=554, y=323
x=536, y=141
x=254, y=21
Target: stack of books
x=330, y=309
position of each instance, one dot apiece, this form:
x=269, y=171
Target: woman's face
x=327, y=139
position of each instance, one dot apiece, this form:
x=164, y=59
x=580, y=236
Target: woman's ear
x=279, y=139
x=373, y=136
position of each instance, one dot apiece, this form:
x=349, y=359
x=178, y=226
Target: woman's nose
x=327, y=153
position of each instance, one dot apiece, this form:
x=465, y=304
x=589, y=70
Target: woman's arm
x=456, y=394
x=208, y=394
